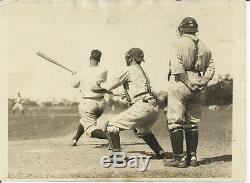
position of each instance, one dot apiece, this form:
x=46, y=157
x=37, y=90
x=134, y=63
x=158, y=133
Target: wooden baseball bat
x=53, y=61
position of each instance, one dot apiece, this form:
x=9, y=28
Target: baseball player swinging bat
x=96, y=90
x=53, y=61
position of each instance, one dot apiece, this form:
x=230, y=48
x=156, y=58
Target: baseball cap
x=189, y=24
x=137, y=54
x=96, y=55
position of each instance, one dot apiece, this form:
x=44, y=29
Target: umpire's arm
x=178, y=70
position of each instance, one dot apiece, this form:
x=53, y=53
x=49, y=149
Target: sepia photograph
x=124, y=90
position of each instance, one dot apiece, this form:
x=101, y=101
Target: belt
x=140, y=94
x=196, y=72
x=145, y=101
x=97, y=98
x=150, y=100
x=176, y=77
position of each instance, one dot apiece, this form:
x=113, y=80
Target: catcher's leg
x=115, y=144
x=152, y=142
x=79, y=133
x=98, y=133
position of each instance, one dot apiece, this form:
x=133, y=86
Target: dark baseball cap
x=189, y=24
x=137, y=54
x=96, y=55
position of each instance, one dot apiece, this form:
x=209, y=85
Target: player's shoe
x=74, y=142
x=160, y=155
x=109, y=147
x=192, y=161
x=177, y=162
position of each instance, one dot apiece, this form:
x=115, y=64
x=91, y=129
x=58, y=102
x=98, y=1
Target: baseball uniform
x=91, y=104
x=184, y=106
x=18, y=104
x=191, y=68
x=143, y=111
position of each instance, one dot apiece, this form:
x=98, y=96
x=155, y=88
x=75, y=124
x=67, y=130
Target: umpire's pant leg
x=193, y=111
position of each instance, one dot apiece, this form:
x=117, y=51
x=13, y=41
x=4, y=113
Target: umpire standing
x=191, y=68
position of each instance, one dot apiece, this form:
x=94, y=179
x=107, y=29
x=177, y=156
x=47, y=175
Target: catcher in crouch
x=143, y=110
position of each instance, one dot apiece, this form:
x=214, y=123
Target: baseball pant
x=90, y=110
x=17, y=106
x=184, y=106
x=140, y=116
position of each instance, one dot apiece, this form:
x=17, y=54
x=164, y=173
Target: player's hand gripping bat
x=54, y=62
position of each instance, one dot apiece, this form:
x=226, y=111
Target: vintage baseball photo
x=123, y=90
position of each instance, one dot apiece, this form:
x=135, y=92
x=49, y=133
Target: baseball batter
x=18, y=104
x=191, y=68
x=91, y=105
x=143, y=111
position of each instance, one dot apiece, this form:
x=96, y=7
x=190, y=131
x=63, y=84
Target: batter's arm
x=75, y=82
x=103, y=78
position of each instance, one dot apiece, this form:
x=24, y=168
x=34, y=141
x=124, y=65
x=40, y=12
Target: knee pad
x=113, y=129
x=103, y=125
x=173, y=130
x=192, y=129
x=173, y=124
x=141, y=133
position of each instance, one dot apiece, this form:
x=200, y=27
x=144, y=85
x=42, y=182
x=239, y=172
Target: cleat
x=109, y=148
x=172, y=163
x=177, y=162
x=74, y=142
x=193, y=161
x=160, y=155
x=182, y=164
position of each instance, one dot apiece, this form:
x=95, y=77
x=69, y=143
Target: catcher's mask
x=188, y=25
x=134, y=54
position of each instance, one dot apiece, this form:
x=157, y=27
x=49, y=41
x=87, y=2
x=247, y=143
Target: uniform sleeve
x=209, y=71
x=117, y=81
x=176, y=64
x=75, y=82
x=104, y=75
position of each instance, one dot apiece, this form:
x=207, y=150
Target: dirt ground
x=39, y=147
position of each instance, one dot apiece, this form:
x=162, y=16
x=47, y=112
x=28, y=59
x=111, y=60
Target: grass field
x=39, y=147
